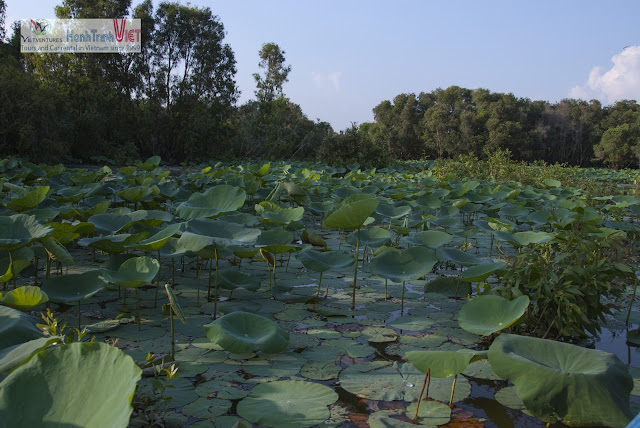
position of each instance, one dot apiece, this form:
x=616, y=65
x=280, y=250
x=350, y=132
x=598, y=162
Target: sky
x=347, y=56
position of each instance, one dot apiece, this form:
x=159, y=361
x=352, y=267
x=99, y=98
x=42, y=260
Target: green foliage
x=618, y=146
x=272, y=61
x=355, y=144
x=566, y=278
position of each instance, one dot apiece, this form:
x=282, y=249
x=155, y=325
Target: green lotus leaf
x=430, y=238
x=352, y=213
x=522, y=239
x=231, y=279
x=202, y=232
x=134, y=272
x=372, y=236
x=564, y=382
x=159, y=239
x=19, y=230
x=275, y=241
x=243, y=332
x=76, y=193
x=113, y=244
x=70, y=288
x=175, y=306
x=458, y=257
x=313, y=239
x=16, y=327
x=66, y=232
x=57, y=252
x=150, y=164
x=488, y=314
x=399, y=266
x=442, y=364
x=431, y=413
x=28, y=200
x=322, y=261
x=113, y=223
x=55, y=397
x=283, y=215
x=213, y=203
x=25, y=297
x=391, y=211
x=135, y=194
x=11, y=266
x=16, y=355
x=288, y=404
x=479, y=273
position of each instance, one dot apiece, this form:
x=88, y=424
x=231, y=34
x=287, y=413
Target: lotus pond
x=298, y=294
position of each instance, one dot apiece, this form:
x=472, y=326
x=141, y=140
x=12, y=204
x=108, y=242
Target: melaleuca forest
x=173, y=255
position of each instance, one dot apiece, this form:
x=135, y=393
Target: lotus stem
x=326, y=293
x=402, y=301
x=635, y=286
x=172, y=336
x=427, y=380
x=215, y=302
x=355, y=273
x=198, y=281
x=319, y=284
x=35, y=274
x=138, y=307
x=48, y=268
x=155, y=301
x=209, y=278
x=453, y=388
x=286, y=269
x=386, y=282
x=79, y=316
x=364, y=256
x=173, y=272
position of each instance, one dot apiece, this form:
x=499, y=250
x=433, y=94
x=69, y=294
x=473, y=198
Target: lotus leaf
x=57, y=251
x=488, y=314
x=134, y=272
x=113, y=223
x=441, y=364
x=319, y=261
x=24, y=298
x=71, y=288
x=430, y=238
x=352, y=213
x=16, y=355
x=404, y=265
x=159, y=239
x=16, y=327
x=288, y=403
x=243, y=332
x=372, y=237
x=431, y=413
x=564, y=382
x=481, y=272
x=29, y=199
x=19, y=230
x=56, y=398
x=213, y=203
x=275, y=241
x=233, y=278
x=203, y=232
x=459, y=257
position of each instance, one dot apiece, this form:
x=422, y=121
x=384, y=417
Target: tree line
x=178, y=99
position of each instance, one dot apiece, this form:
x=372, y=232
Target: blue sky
x=348, y=56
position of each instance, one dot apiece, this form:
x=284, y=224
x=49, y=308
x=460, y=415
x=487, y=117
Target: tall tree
x=269, y=86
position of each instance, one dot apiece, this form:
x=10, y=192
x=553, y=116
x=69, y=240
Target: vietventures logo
x=40, y=27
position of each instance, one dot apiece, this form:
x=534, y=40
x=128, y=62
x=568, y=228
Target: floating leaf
x=56, y=398
x=242, y=332
x=288, y=403
x=563, y=382
x=488, y=314
x=25, y=297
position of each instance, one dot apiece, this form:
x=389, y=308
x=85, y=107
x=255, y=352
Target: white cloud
x=326, y=81
x=621, y=81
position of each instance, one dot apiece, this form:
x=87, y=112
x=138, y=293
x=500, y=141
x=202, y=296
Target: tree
x=3, y=15
x=272, y=61
x=618, y=145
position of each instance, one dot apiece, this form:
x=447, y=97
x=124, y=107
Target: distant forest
x=178, y=99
